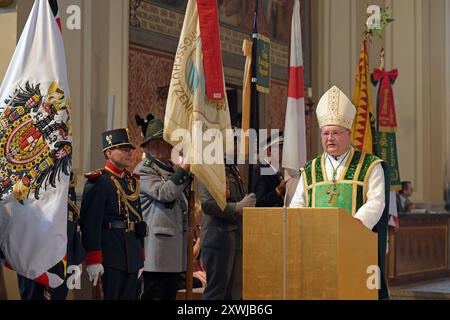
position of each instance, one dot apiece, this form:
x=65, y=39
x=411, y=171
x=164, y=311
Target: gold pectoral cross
x=331, y=194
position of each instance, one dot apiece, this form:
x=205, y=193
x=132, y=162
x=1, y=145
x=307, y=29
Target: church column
x=10, y=35
x=118, y=59
x=336, y=52
x=447, y=91
x=436, y=108
x=72, y=13
x=108, y=28
x=417, y=45
x=337, y=28
x=8, y=25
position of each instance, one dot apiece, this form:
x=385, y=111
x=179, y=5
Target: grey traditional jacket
x=164, y=208
x=217, y=223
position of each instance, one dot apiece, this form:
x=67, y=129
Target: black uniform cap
x=116, y=138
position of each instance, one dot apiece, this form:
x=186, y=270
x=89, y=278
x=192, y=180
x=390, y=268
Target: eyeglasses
x=330, y=134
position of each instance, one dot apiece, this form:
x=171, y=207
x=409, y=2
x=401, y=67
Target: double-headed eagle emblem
x=35, y=141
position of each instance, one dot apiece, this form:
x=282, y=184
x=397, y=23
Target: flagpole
x=2, y=285
x=97, y=291
x=254, y=107
x=382, y=58
x=190, y=246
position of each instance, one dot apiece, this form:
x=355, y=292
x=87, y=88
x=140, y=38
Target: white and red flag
x=35, y=150
x=294, y=151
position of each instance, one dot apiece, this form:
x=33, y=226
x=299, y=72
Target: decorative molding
x=134, y=5
x=167, y=44
x=153, y=18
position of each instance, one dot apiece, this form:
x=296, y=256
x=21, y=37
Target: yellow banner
x=362, y=131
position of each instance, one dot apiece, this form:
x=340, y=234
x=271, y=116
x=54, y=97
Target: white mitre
x=334, y=108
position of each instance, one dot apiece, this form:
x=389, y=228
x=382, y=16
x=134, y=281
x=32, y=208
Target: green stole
x=351, y=187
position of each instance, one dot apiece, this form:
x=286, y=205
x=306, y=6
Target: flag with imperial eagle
x=35, y=150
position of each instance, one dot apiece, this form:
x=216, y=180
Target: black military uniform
x=267, y=179
x=266, y=190
x=111, y=224
x=31, y=290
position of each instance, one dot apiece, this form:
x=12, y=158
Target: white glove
x=94, y=271
x=140, y=272
x=248, y=201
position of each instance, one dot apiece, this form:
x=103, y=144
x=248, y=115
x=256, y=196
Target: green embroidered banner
x=263, y=64
x=385, y=141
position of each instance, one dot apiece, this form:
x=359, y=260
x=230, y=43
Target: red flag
x=212, y=55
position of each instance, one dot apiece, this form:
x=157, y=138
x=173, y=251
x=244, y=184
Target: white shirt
x=370, y=212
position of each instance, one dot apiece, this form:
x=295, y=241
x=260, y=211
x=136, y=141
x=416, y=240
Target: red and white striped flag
x=294, y=151
x=35, y=150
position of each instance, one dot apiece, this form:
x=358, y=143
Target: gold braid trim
x=75, y=208
x=125, y=197
x=132, y=197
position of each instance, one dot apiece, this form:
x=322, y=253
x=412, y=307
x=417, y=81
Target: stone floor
x=430, y=290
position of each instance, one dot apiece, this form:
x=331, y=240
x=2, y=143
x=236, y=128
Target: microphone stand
x=284, y=217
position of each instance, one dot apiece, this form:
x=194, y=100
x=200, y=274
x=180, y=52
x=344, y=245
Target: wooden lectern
x=327, y=254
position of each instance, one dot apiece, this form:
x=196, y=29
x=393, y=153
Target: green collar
x=165, y=166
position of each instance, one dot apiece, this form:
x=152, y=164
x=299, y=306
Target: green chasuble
x=350, y=190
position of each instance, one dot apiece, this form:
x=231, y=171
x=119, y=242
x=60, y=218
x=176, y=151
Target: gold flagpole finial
x=382, y=58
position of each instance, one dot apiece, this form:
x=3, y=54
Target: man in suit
x=111, y=221
x=221, y=237
x=404, y=203
x=164, y=208
x=270, y=186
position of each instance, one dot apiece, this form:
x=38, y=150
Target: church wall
x=417, y=46
x=404, y=51
x=149, y=74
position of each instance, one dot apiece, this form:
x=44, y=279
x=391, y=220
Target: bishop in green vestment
x=343, y=177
